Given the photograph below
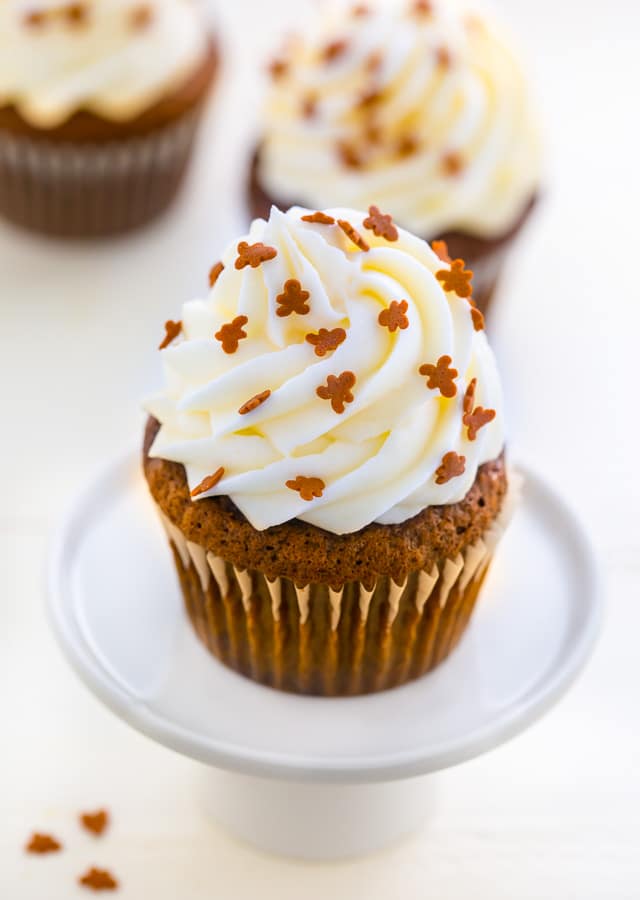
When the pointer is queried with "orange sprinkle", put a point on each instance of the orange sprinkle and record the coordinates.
(172, 330)
(254, 402)
(208, 483)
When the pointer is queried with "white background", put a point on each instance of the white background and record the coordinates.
(554, 814)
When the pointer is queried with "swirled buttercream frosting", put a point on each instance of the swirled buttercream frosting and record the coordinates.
(337, 372)
(114, 58)
(420, 107)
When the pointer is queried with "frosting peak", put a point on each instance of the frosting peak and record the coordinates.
(111, 57)
(327, 382)
(421, 108)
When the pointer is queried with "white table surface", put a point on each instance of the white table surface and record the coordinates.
(553, 814)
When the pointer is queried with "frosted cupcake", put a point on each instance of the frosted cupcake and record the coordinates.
(327, 455)
(419, 108)
(99, 103)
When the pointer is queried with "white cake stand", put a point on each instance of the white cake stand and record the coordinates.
(312, 777)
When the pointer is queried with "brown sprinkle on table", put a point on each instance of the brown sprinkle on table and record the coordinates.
(141, 16)
(98, 880)
(334, 50)
(231, 334)
(452, 164)
(254, 254)
(457, 279)
(477, 318)
(441, 250)
(96, 822)
(394, 316)
(308, 488)
(208, 483)
(43, 843)
(293, 299)
(215, 272)
(452, 466)
(319, 218)
(325, 341)
(254, 403)
(441, 376)
(172, 330)
(338, 390)
(381, 224)
(353, 234)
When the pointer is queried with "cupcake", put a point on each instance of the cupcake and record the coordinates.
(99, 104)
(327, 456)
(419, 108)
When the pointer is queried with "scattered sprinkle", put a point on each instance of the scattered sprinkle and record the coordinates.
(35, 18)
(443, 57)
(338, 390)
(469, 396)
(452, 164)
(441, 250)
(231, 334)
(325, 341)
(141, 16)
(208, 483)
(360, 10)
(477, 318)
(95, 822)
(334, 50)
(349, 155)
(308, 488)
(422, 7)
(255, 402)
(278, 68)
(374, 61)
(353, 235)
(172, 330)
(293, 299)
(441, 376)
(319, 218)
(254, 254)
(457, 279)
(215, 272)
(474, 418)
(76, 14)
(310, 106)
(370, 97)
(394, 316)
(43, 843)
(407, 146)
(381, 224)
(452, 466)
(98, 880)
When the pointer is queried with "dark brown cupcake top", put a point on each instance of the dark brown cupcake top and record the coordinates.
(306, 554)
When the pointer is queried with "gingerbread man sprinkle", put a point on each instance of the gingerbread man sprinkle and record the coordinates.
(215, 272)
(98, 880)
(452, 466)
(293, 299)
(254, 403)
(457, 279)
(394, 316)
(477, 318)
(172, 330)
(381, 224)
(325, 341)
(474, 418)
(208, 483)
(42, 844)
(441, 250)
(231, 334)
(338, 390)
(96, 822)
(353, 235)
(441, 376)
(254, 254)
(308, 488)
(319, 218)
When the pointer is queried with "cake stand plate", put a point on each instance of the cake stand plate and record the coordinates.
(306, 776)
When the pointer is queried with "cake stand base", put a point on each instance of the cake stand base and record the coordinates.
(316, 821)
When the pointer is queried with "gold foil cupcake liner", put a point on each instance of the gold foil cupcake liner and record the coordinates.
(89, 190)
(313, 639)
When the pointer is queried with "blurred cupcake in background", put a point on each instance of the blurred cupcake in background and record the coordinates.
(417, 106)
(327, 456)
(99, 105)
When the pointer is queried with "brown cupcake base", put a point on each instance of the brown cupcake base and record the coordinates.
(486, 256)
(314, 640)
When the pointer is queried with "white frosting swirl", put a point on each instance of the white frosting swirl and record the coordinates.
(106, 63)
(379, 458)
(444, 81)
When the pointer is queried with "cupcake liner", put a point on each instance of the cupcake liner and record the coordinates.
(89, 190)
(314, 639)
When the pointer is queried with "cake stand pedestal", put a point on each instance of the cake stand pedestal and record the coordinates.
(309, 777)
